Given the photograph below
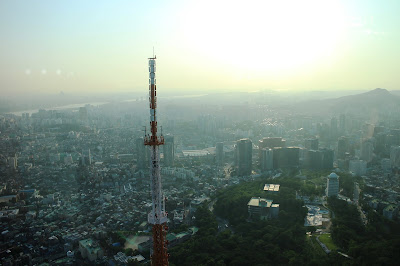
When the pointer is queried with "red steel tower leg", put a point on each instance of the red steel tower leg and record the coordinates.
(157, 217)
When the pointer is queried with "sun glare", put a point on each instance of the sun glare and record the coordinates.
(264, 35)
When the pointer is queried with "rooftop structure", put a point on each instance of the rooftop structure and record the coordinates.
(195, 153)
(262, 208)
(271, 187)
(90, 249)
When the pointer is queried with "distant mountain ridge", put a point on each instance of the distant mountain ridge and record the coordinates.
(377, 100)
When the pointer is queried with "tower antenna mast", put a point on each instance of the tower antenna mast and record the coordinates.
(157, 216)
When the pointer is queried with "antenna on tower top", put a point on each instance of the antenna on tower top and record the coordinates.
(153, 51)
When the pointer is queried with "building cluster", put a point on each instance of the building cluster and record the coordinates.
(68, 176)
(64, 188)
(261, 208)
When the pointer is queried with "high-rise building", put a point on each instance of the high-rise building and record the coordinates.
(342, 147)
(367, 149)
(334, 128)
(368, 130)
(313, 159)
(358, 167)
(378, 130)
(243, 156)
(13, 162)
(386, 165)
(332, 185)
(269, 143)
(141, 154)
(83, 114)
(286, 157)
(394, 137)
(380, 143)
(327, 158)
(318, 160)
(169, 150)
(267, 159)
(311, 144)
(86, 158)
(219, 153)
(395, 156)
(342, 124)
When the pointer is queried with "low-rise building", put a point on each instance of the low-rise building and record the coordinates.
(262, 208)
(272, 188)
(390, 211)
(90, 249)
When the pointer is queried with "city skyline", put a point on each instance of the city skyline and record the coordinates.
(101, 46)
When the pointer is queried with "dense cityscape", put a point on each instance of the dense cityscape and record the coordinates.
(75, 186)
(199, 133)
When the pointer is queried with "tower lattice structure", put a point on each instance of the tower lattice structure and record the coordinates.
(157, 216)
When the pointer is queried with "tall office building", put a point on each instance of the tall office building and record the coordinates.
(394, 137)
(169, 150)
(86, 158)
(286, 157)
(395, 156)
(141, 154)
(386, 165)
(358, 167)
(317, 160)
(269, 143)
(311, 144)
(243, 156)
(332, 185)
(380, 143)
(367, 150)
(334, 128)
(342, 124)
(83, 114)
(267, 159)
(219, 153)
(313, 159)
(378, 130)
(342, 147)
(368, 130)
(327, 158)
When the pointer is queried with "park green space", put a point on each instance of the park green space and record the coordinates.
(327, 240)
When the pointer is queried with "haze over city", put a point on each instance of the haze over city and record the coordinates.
(199, 133)
(102, 46)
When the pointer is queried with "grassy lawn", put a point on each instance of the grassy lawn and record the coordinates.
(327, 240)
(316, 247)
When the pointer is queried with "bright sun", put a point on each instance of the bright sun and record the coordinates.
(264, 35)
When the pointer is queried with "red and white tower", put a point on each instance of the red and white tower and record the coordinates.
(157, 217)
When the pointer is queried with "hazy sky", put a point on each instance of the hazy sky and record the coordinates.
(88, 46)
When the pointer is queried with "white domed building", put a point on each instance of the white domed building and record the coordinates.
(332, 185)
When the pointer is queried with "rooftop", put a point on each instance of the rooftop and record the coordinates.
(90, 245)
(271, 187)
(333, 175)
(195, 153)
(259, 202)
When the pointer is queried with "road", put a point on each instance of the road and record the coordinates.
(223, 224)
(356, 201)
